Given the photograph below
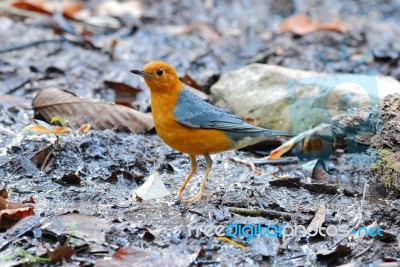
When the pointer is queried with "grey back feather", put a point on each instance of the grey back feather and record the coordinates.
(194, 112)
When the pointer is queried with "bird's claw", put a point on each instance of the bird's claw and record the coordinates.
(199, 196)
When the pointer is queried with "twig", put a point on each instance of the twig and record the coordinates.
(262, 213)
(331, 199)
(16, 88)
(31, 44)
(364, 250)
(360, 214)
(281, 161)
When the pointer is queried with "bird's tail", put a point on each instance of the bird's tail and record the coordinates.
(268, 132)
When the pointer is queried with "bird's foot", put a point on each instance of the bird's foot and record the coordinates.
(199, 196)
(248, 163)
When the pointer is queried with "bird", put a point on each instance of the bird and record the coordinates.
(191, 125)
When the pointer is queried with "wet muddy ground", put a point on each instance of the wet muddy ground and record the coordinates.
(84, 197)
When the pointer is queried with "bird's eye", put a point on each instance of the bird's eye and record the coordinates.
(159, 72)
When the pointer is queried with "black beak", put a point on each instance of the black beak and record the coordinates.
(142, 73)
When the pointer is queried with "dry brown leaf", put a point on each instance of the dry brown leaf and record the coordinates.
(69, 8)
(3, 203)
(85, 128)
(120, 254)
(122, 88)
(44, 130)
(4, 193)
(69, 179)
(14, 205)
(301, 24)
(318, 220)
(190, 81)
(61, 253)
(32, 5)
(101, 115)
(44, 157)
(8, 215)
(209, 33)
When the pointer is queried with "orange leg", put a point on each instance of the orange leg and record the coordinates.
(209, 164)
(193, 168)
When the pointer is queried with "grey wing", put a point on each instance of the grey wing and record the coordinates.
(194, 112)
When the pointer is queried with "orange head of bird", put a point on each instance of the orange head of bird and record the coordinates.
(160, 77)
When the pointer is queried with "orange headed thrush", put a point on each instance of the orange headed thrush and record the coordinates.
(193, 126)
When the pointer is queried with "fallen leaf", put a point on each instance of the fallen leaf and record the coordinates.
(316, 170)
(86, 227)
(49, 129)
(103, 22)
(152, 188)
(32, 5)
(14, 205)
(301, 24)
(339, 251)
(69, 179)
(122, 88)
(189, 81)
(69, 8)
(85, 128)
(120, 254)
(119, 9)
(101, 115)
(44, 157)
(172, 256)
(31, 200)
(18, 229)
(9, 216)
(318, 220)
(61, 253)
(3, 203)
(4, 193)
(209, 33)
(361, 233)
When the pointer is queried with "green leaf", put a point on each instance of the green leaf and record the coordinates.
(59, 119)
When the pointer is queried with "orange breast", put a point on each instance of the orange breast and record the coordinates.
(184, 139)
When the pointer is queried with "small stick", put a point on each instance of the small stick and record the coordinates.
(363, 251)
(275, 162)
(31, 44)
(262, 213)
